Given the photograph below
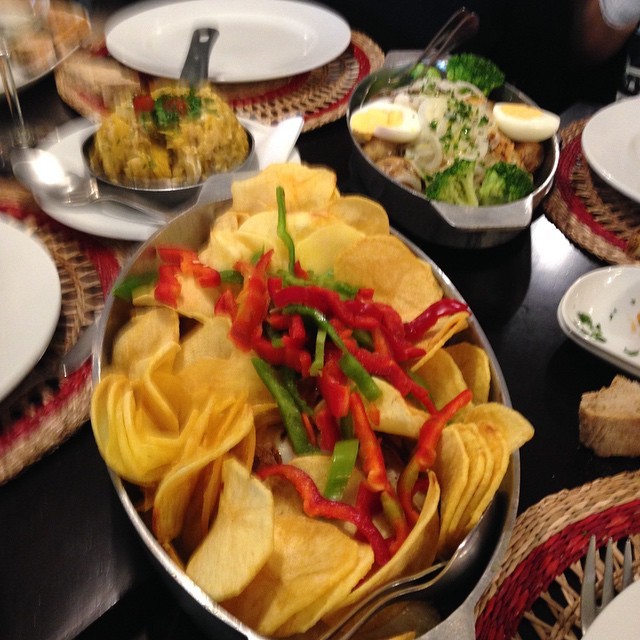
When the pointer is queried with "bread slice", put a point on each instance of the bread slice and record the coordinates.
(610, 419)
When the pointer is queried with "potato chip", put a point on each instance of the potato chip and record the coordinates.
(410, 286)
(397, 417)
(442, 377)
(362, 213)
(310, 560)
(443, 330)
(473, 362)
(146, 332)
(515, 428)
(306, 188)
(318, 251)
(210, 339)
(241, 539)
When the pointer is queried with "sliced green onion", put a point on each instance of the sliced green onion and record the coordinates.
(283, 234)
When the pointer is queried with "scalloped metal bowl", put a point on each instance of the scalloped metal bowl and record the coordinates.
(456, 610)
(442, 223)
(167, 192)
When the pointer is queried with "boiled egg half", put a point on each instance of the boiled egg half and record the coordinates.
(385, 120)
(525, 123)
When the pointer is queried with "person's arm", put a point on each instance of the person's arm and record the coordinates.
(602, 27)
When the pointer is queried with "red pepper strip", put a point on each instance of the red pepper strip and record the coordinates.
(296, 337)
(370, 453)
(226, 305)
(253, 303)
(316, 506)
(416, 328)
(394, 513)
(424, 454)
(189, 264)
(333, 385)
(167, 288)
(328, 427)
(297, 359)
(143, 104)
(308, 427)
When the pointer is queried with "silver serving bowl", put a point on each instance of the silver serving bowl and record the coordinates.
(165, 192)
(455, 611)
(440, 222)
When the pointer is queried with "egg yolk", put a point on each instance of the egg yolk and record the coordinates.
(522, 111)
(366, 121)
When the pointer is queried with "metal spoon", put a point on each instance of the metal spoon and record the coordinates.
(428, 584)
(196, 64)
(45, 176)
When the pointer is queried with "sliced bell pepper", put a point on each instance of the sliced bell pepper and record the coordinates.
(281, 229)
(316, 506)
(416, 328)
(328, 428)
(343, 460)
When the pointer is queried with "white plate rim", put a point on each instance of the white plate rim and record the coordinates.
(37, 316)
(566, 317)
(616, 125)
(616, 620)
(325, 35)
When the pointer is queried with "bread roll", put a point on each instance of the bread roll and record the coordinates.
(610, 419)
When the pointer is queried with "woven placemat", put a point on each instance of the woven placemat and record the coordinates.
(55, 409)
(536, 592)
(587, 210)
(89, 80)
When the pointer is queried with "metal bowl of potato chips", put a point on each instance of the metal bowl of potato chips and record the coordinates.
(129, 349)
(443, 223)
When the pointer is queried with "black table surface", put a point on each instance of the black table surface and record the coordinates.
(71, 565)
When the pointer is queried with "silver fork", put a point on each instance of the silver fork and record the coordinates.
(589, 609)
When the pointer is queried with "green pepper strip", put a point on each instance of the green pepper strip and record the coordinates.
(425, 452)
(316, 506)
(283, 234)
(125, 289)
(318, 361)
(348, 362)
(343, 460)
(286, 404)
(231, 276)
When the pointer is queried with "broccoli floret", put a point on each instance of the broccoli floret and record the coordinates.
(504, 182)
(454, 184)
(475, 69)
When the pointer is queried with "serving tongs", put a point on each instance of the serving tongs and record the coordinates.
(461, 26)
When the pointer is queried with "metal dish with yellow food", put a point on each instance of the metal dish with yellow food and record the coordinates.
(297, 407)
(458, 157)
(168, 142)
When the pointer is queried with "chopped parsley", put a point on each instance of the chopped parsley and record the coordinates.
(590, 328)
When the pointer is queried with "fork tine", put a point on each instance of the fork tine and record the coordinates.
(607, 585)
(588, 590)
(627, 567)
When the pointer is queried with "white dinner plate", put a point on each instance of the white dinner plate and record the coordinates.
(601, 312)
(620, 619)
(31, 298)
(259, 39)
(108, 219)
(611, 146)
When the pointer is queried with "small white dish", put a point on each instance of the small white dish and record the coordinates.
(111, 220)
(31, 301)
(620, 619)
(611, 146)
(259, 39)
(601, 312)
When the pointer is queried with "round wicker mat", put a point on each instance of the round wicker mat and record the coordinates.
(54, 409)
(536, 592)
(587, 210)
(88, 78)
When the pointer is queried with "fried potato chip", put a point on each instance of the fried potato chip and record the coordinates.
(452, 470)
(212, 431)
(306, 188)
(241, 539)
(210, 339)
(409, 286)
(318, 251)
(473, 362)
(442, 377)
(443, 330)
(310, 560)
(146, 332)
(362, 213)
(515, 428)
(396, 416)
(226, 247)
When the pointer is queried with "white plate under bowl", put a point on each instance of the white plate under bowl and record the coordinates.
(108, 219)
(611, 146)
(31, 299)
(601, 312)
(259, 39)
(620, 619)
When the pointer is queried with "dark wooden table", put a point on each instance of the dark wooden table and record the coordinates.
(71, 565)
